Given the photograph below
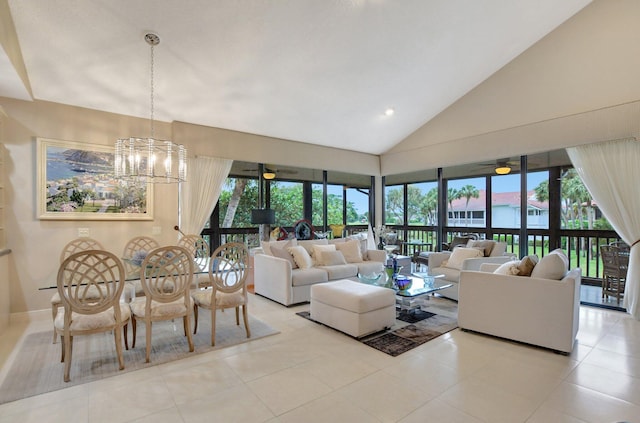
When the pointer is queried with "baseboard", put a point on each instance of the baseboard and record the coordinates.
(30, 316)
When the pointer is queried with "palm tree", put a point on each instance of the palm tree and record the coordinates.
(238, 189)
(468, 192)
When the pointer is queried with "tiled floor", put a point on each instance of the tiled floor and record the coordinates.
(309, 373)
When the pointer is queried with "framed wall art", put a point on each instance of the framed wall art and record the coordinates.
(76, 182)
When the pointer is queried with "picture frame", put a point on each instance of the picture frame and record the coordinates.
(76, 182)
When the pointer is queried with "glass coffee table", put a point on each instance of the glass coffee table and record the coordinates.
(423, 286)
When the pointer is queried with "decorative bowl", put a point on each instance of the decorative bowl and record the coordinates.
(372, 278)
(403, 282)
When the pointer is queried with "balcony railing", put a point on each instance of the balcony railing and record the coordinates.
(582, 246)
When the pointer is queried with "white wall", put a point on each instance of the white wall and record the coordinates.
(36, 244)
(577, 85)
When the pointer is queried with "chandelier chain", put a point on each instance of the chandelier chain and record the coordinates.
(152, 92)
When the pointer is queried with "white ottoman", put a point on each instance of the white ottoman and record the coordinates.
(355, 308)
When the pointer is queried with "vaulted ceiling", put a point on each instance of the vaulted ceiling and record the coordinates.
(319, 72)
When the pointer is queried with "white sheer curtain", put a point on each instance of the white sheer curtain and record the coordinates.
(611, 173)
(199, 195)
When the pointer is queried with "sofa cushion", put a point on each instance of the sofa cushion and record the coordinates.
(460, 254)
(527, 264)
(301, 257)
(341, 271)
(486, 245)
(363, 242)
(283, 253)
(509, 268)
(552, 266)
(266, 245)
(369, 267)
(309, 243)
(452, 275)
(498, 249)
(330, 258)
(317, 249)
(302, 277)
(351, 251)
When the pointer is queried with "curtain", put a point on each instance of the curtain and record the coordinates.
(199, 195)
(611, 173)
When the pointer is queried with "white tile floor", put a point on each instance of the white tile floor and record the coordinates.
(309, 373)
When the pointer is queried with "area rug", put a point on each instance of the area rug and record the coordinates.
(37, 369)
(435, 317)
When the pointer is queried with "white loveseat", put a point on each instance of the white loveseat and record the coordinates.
(277, 278)
(451, 263)
(534, 310)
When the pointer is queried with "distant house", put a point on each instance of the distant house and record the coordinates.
(505, 211)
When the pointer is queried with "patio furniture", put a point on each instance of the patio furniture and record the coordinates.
(615, 263)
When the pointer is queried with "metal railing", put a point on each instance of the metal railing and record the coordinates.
(581, 246)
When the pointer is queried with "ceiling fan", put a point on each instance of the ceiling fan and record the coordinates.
(502, 166)
(270, 171)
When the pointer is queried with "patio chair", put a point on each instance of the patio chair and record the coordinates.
(615, 263)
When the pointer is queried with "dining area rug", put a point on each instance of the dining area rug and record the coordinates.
(37, 369)
(435, 317)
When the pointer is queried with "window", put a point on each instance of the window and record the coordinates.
(394, 207)
(357, 205)
(238, 197)
(422, 204)
(286, 200)
(466, 202)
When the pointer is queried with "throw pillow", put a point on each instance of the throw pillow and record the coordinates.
(486, 245)
(460, 254)
(351, 251)
(309, 243)
(509, 268)
(301, 257)
(552, 266)
(317, 249)
(527, 264)
(266, 245)
(284, 253)
(331, 258)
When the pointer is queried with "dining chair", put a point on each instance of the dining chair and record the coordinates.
(228, 269)
(199, 250)
(166, 274)
(74, 246)
(90, 284)
(136, 246)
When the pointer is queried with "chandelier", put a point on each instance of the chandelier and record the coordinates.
(148, 159)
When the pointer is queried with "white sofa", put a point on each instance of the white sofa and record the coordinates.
(533, 310)
(277, 279)
(438, 265)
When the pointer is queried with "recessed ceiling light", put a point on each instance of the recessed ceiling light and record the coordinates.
(389, 111)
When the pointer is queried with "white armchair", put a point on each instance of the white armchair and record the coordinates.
(439, 264)
(533, 310)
